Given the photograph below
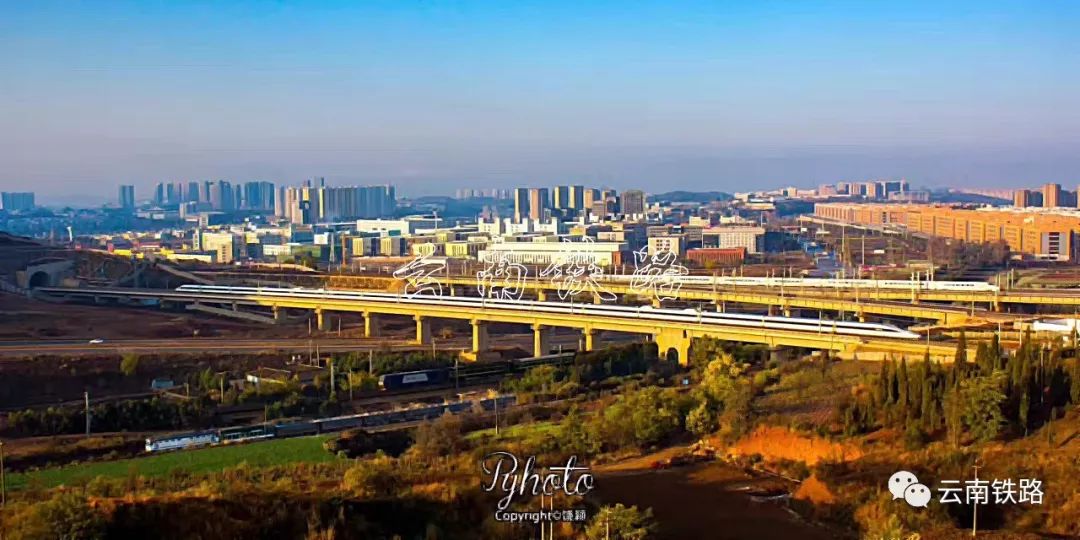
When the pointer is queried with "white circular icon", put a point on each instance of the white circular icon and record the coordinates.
(917, 495)
(899, 481)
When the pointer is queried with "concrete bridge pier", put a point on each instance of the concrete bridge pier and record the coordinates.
(541, 295)
(279, 314)
(589, 339)
(541, 340)
(371, 324)
(479, 337)
(656, 303)
(779, 354)
(322, 322)
(423, 330)
(673, 344)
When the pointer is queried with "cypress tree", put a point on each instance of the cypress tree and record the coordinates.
(915, 387)
(961, 349)
(995, 351)
(1025, 405)
(902, 387)
(960, 359)
(881, 393)
(982, 358)
(1074, 383)
(926, 407)
(891, 388)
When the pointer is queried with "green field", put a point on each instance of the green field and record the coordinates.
(260, 454)
(514, 432)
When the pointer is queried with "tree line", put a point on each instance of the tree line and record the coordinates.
(996, 394)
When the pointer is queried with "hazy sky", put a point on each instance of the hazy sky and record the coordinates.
(434, 95)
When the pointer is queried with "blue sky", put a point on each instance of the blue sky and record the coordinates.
(434, 95)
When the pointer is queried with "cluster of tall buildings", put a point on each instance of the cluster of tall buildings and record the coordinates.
(314, 202)
(221, 195)
(1049, 196)
(16, 201)
(492, 193)
(570, 202)
(874, 189)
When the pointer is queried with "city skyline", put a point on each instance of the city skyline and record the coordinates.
(429, 97)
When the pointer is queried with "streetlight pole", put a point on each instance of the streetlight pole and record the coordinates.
(975, 507)
(3, 480)
(86, 402)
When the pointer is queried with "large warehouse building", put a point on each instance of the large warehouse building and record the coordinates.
(1041, 233)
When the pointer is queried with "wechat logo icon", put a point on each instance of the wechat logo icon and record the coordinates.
(905, 485)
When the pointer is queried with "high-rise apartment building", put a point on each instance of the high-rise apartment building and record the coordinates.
(632, 202)
(127, 197)
(310, 205)
(590, 198)
(521, 204)
(569, 200)
(539, 203)
(1051, 195)
(562, 198)
(16, 201)
(222, 196)
(577, 197)
(1022, 198)
(258, 196)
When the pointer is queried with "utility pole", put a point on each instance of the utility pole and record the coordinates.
(3, 481)
(221, 383)
(86, 402)
(975, 507)
(332, 389)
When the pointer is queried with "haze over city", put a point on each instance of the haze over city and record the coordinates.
(695, 96)
(478, 270)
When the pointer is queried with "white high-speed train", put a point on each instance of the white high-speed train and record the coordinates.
(822, 283)
(763, 322)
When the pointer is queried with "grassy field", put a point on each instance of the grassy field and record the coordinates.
(517, 431)
(260, 454)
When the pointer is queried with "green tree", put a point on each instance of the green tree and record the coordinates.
(66, 516)
(540, 379)
(575, 437)
(953, 407)
(1074, 383)
(621, 523)
(982, 398)
(701, 421)
(718, 381)
(960, 359)
(441, 437)
(370, 478)
(983, 359)
(927, 405)
(129, 364)
(995, 351)
(902, 387)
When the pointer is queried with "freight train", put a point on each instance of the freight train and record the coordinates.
(276, 430)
